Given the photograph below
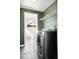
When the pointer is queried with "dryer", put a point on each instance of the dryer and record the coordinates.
(47, 45)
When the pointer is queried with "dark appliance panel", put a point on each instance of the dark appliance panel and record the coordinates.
(50, 45)
(47, 45)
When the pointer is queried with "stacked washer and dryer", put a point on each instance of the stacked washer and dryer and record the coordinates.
(47, 45)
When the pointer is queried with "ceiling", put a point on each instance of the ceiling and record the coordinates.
(38, 5)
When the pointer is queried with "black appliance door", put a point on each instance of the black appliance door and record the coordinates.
(51, 45)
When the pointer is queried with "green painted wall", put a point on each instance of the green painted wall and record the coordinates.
(40, 15)
(51, 8)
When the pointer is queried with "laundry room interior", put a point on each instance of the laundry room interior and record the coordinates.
(38, 29)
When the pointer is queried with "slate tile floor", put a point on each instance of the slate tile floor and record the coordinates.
(28, 52)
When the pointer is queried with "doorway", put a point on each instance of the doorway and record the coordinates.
(30, 33)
